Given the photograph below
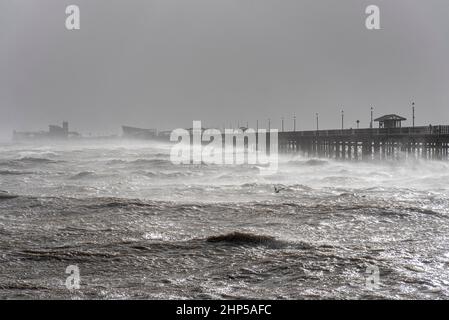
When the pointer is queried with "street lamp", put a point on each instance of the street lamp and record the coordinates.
(342, 118)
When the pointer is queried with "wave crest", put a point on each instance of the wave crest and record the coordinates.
(13, 173)
(7, 195)
(81, 175)
(241, 238)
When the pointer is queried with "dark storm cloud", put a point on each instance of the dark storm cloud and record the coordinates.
(165, 63)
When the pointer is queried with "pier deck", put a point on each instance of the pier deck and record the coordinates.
(430, 142)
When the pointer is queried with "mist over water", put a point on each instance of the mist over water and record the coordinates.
(139, 226)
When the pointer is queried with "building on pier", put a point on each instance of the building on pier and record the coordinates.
(390, 121)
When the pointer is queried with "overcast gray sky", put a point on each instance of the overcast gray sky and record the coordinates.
(164, 63)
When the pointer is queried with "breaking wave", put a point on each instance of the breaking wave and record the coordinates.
(36, 160)
(7, 195)
(311, 162)
(13, 173)
(241, 238)
(82, 175)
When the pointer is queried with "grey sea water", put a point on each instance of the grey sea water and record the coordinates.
(139, 227)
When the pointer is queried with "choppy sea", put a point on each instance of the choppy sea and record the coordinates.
(139, 227)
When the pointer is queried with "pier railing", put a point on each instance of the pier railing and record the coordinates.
(424, 130)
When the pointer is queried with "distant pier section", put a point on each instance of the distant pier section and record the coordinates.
(390, 141)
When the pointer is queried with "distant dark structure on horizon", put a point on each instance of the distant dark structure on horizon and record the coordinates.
(138, 133)
(54, 132)
(144, 134)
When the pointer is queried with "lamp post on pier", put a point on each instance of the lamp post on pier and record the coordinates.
(342, 119)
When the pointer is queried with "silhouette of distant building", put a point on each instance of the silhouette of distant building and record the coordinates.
(138, 133)
(58, 131)
(54, 132)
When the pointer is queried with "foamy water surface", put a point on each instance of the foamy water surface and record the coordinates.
(138, 226)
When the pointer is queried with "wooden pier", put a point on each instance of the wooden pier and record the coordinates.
(431, 142)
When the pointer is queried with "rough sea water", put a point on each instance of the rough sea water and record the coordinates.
(139, 227)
